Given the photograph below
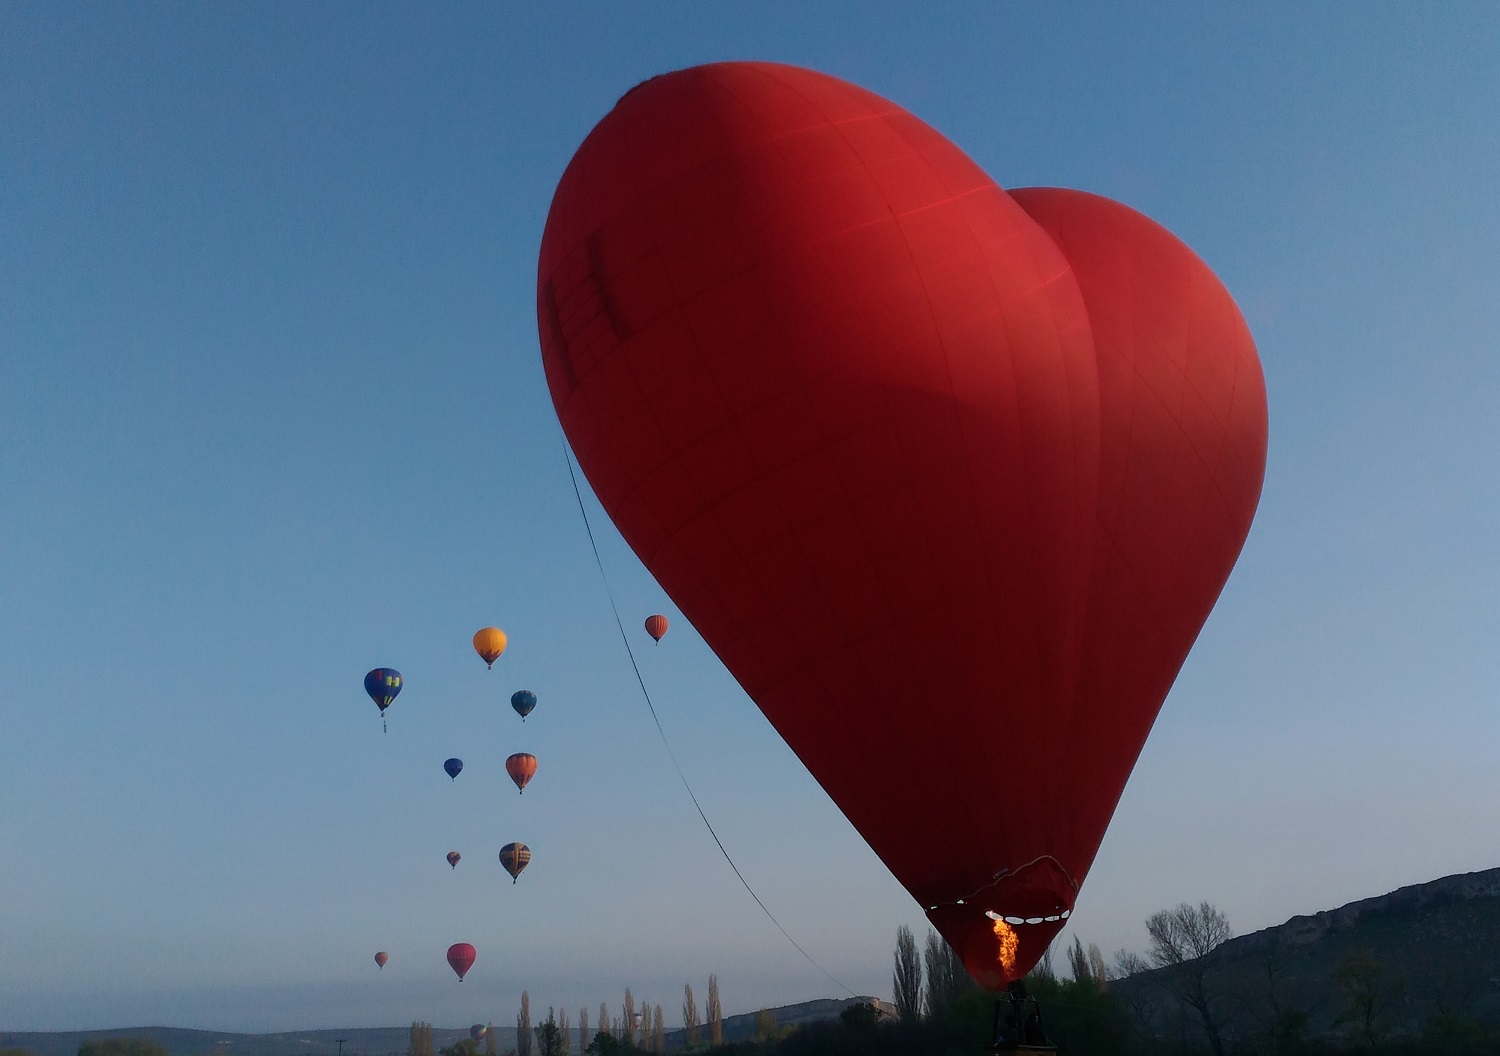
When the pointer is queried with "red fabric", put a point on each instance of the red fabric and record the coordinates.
(941, 473)
(461, 958)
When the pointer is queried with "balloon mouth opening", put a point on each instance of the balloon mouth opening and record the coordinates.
(1013, 920)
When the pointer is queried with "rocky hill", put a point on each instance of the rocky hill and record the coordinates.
(1409, 958)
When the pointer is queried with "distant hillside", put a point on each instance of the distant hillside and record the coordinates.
(1429, 949)
(361, 1041)
(374, 1041)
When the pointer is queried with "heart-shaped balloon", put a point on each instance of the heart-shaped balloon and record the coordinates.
(949, 478)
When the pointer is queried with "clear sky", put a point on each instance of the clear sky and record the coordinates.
(272, 413)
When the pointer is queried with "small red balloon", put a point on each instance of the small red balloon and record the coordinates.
(656, 626)
(461, 958)
(381, 958)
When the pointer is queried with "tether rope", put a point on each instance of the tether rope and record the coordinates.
(614, 608)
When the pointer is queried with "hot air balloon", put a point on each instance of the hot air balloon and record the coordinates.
(454, 767)
(523, 700)
(381, 958)
(656, 626)
(489, 642)
(454, 858)
(383, 684)
(522, 768)
(515, 857)
(461, 958)
(477, 1031)
(958, 469)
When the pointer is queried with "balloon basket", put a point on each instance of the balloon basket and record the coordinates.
(1018, 1025)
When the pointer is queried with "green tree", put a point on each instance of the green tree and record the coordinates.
(549, 1036)
(606, 1044)
(860, 1016)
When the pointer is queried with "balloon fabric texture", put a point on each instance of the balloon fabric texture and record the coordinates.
(947, 476)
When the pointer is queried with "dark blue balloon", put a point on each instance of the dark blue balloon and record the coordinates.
(383, 684)
(454, 767)
(523, 700)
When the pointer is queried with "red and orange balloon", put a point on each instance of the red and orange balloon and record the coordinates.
(522, 768)
(938, 470)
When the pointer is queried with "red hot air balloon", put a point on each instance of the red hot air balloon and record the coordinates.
(522, 768)
(656, 627)
(381, 958)
(461, 958)
(454, 858)
(959, 470)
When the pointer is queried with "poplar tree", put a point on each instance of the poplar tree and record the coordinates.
(658, 1033)
(645, 1024)
(523, 1026)
(489, 1039)
(583, 1028)
(565, 1038)
(906, 983)
(715, 1013)
(627, 1021)
(690, 1020)
(604, 1019)
(421, 1038)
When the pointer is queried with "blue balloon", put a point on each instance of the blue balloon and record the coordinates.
(523, 700)
(454, 767)
(383, 684)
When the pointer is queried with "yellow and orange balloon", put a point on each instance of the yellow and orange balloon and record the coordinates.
(489, 643)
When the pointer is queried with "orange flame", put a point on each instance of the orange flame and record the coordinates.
(1008, 943)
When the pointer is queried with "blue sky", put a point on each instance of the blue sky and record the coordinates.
(272, 414)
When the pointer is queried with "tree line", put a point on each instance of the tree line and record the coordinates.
(637, 1029)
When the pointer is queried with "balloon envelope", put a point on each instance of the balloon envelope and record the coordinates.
(454, 767)
(522, 768)
(656, 626)
(489, 643)
(461, 958)
(477, 1031)
(381, 958)
(454, 858)
(524, 701)
(383, 684)
(939, 472)
(515, 857)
